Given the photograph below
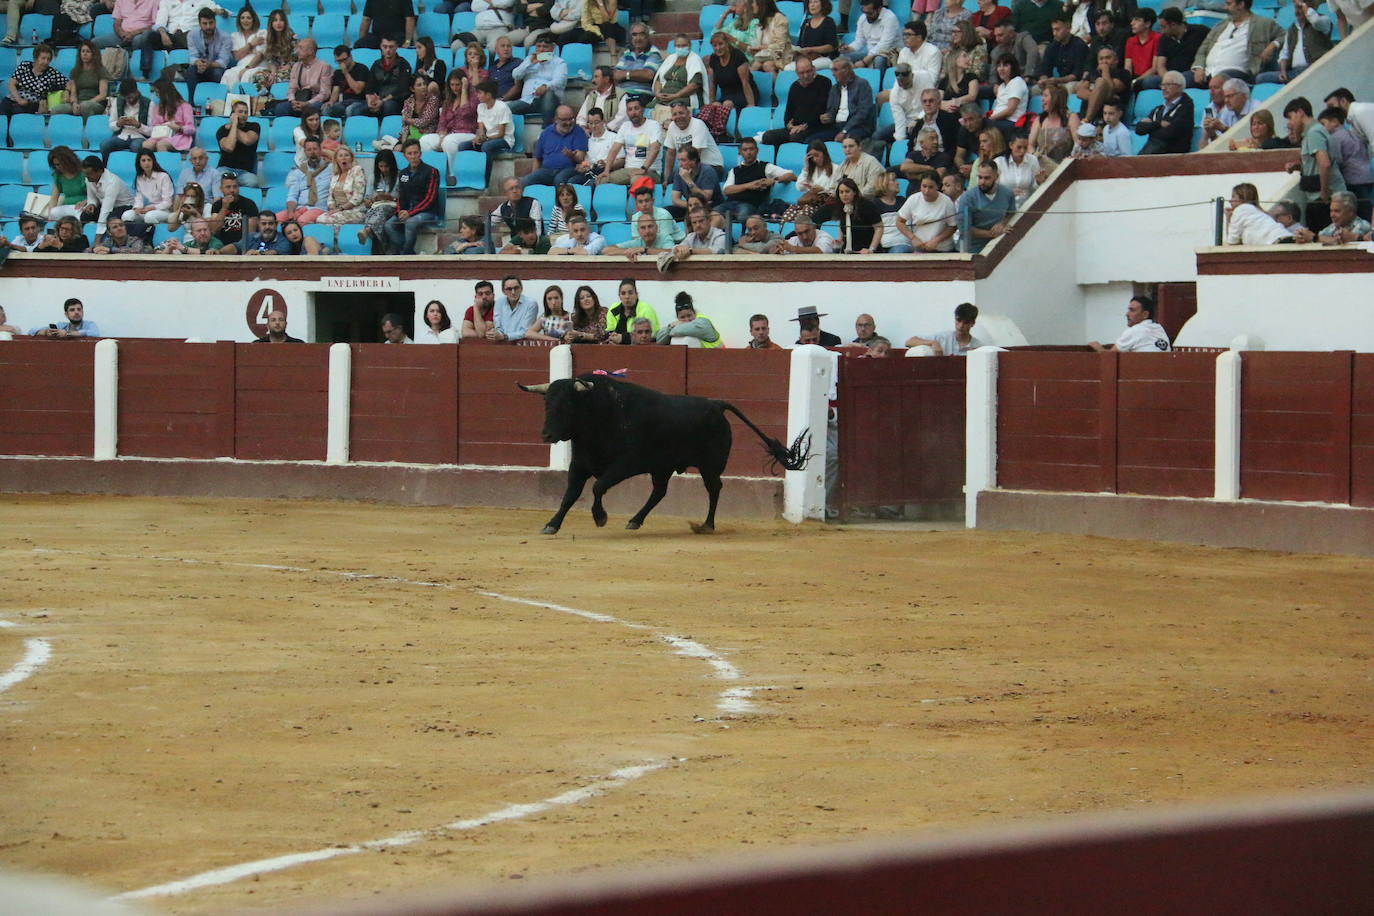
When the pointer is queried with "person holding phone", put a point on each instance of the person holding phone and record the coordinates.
(76, 324)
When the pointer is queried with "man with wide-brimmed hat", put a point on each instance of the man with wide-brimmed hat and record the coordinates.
(809, 319)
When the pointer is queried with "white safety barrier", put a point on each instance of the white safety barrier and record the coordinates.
(560, 367)
(340, 399)
(808, 408)
(106, 400)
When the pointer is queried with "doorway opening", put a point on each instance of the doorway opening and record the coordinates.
(357, 317)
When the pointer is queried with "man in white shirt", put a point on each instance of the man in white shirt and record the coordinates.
(1236, 104)
(495, 19)
(639, 141)
(579, 240)
(599, 145)
(904, 100)
(30, 234)
(394, 329)
(922, 56)
(749, 184)
(877, 37)
(1238, 46)
(1142, 335)
(685, 130)
(958, 341)
(807, 240)
(175, 21)
(106, 193)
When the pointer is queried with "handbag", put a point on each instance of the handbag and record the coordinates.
(38, 205)
(1312, 184)
(161, 132)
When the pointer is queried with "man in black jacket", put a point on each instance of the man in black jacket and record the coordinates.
(1178, 44)
(419, 200)
(1169, 126)
(806, 102)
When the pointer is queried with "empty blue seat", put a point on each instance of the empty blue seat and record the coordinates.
(754, 121)
(275, 167)
(208, 92)
(27, 131)
(464, 22)
(337, 7)
(439, 161)
(470, 170)
(435, 26)
(792, 157)
(1145, 102)
(367, 56)
(391, 127)
(347, 241)
(64, 60)
(100, 26)
(872, 76)
(796, 15)
(320, 232)
(331, 30)
(12, 197)
(578, 57)
(782, 85)
(610, 201)
(172, 163)
(544, 194)
(709, 16)
(274, 198)
(205, 132)
(34, 28)
(407, 55)
(300, 23)
(68, 130)
(518, 130)
(362, 129)
(123, 163)
(11, 167)
(763, 82)
(281, 135)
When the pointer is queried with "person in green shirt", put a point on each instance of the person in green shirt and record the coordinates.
(202, 242)
(1035, 18)
(1320, 176)
(526, 239)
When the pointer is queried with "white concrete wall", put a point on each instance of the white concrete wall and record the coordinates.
(1104, 310)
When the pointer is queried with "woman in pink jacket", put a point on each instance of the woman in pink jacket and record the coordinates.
(174, 113)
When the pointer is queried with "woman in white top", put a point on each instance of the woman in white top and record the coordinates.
(246, 44)
(1012, 95)
(1017, 170)
(1247, 224)
(927, 219)
(438, 328)
(153, 192)
(866, 171)
(553, 324)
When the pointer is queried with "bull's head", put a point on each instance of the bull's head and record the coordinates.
(560, 410)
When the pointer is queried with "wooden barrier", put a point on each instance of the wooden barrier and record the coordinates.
(281, 401)
(498, 424)
(660, 368)
(176, 400)
(1295, 426)
(1166, 426)
(405, 404)
(1052, 432)
(756, 382)
(46, 401)
(1362, 431)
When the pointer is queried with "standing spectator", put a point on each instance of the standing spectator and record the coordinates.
(757, 237)
(1116, 137)
(958, 341)
(683, 130)
(639, 63)
(1359, 116)
(1247, 224)
(380, 204)
(693, 181)
(276, 329)
(68, 192)
(388, 82)
(420, 113)
(731, 83)
(818, 40)
(88, 89)
(267, 240)
(850, 107)
(198, 170)
(561, 147)
(1237, 47)
(985, 212)
(927, 219)
(638, 141)
(76, 324)
(758, 334)
(382, 19)
(682, 75)
(246, 46)
(129, 116)
(31, 83)
(1143, 334)
(878, 36)
(1108, 82)
(496, 20)
(687, 323)
(418, 202)
(307, 186)
(1170, 125)
(30, 234)
(749, 184)
(1320, 177)
(517, 206)
(1308, 38)
(117, 240)
(153, 192)
(238, 147)
(1350, 154)
(173, 26)
(176, 118)
(809, 320)
(106, 193)
(923, 57)
(309, 84)
(602, 96)
(438, 327)
(231, 216)
(212, 52)
(65, 238)
(804, 112)
(457, 117)
(861, 226)
(348, 85)
(543, 76)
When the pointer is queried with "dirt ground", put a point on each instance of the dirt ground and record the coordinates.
(197, 715)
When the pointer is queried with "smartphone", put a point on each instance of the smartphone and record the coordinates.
(53, 326)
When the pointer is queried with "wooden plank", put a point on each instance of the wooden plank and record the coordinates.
(1300, 428)
(1263, 484)
(1022, 475)
(1340, 428)
(1313, 458)
(16, 395)
(1164, 424)
(1024, 364)
(1173, 367)
(297, 356)
(1155, 481)
(57, 422)
(167, 401)
(294, 380)
(1050, 449)
(1106, 429)
(46, 443)
(1148, 394)
(1048, 422)
(264, 448)
(1038, 393)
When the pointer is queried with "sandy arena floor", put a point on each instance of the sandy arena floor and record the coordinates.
(770, 685)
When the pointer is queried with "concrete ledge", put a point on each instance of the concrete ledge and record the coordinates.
(1288, 527)
(405, 484)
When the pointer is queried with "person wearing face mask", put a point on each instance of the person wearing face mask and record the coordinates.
(681, 76)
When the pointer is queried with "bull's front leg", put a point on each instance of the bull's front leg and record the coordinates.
(577, 480)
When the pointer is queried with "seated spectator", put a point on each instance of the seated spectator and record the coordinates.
(603, 97)
(202, 242)
(308, 186)
(987, 210)
(382, 19)
(923, 57)
(420, 112)
(495, 128)
(773, 49)
(927, 219)
(310, 83)
(758, 334)
(494, 22)
(565, 207)
(730, 83)
(638, 141)
(638, 63)
(238, 151)
(865, 330)
(903, 101)
(380, 203)
(276, 329)
(1238, 46)
(471, 237)
(1107, 82)
(153, 194)
(552, 325)
(942, 20)
(878, 34)
(739, 26)
(129, 116)
(642, 333)
(1116, 137)
(30, 235)
(1307, 38)
(212, 52)
(1107, 33)
(175, 23)
(188, 205)
(1170, 124)
(1262, 134)
(388, 83)
(964, 78)
(861, 226)
(809, 323)
(1141, 48)
(952, 186)
(878, 347)
(1236, 104)
(346, 201)
(298, 242)
(1054, 100)
(68, 192)
(933, 115)
(106, 193)
(1350, 154)
(347, 85)
(268, 239)
(232, 216)
(419, 201)
(580, 239)
(1346, 226)
(683, 130)
(479, 316)
(457, 125)
(32, 82)
(1018, 170)
(588, 323)
(757, 238)
(860, 166)
(198, 171)
(518, 206)
(600, 142)
(958, 341)
(620, 319)
(1086, 145)
(971, 127)
(526, 239)
(688, 323)
(6, 327)
(543, 77)
(853, 98)
(694, 181)
(561, 147)
(887, 202)
(749, 184)
(1289, 215)
(803, 115)
(682, 75)
(514, 312)
(438, 328)
(1011, 43)
(703, 239)
(117, 240)
(1065, 59)
(925, 158)
(394, 329)
(1178, 45)
(133, 19)
(246, 44)
(75, 326)
(1247, 224)
(807, 239)
(88, 89)
(172, 120)
(1143, 334)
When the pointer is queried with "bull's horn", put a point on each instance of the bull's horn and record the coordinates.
(582, 386)
(534, 389)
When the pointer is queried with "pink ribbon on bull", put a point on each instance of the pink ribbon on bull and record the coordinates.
(614, 373)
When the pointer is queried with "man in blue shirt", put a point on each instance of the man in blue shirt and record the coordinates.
(559, 149)
(211, 53)
(514, 313)
(985, 211)
(307, 185)
(639, 62)
(543, 77)
(268, 240)
(74, 326)
(419, 201)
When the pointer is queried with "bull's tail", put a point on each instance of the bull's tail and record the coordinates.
(794, 458)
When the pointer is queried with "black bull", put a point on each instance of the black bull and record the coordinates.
(619, 430)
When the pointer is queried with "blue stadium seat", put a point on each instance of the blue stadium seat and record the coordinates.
(836, 150)
(11, 167)
(518, 129)
(782, 85)
(872, 76)
(464, 22)
(366, 56)
(706, 21)
(281, 135)
(331, 30)
(64, 60)
(208, 92)
(26, 131)
(337, 7)
(439, 161)
(578, 57)
(407, 55)
(205, 131)
(544, 194)
(729, 154)
(796, 15)
(754, 121)
(275, 167)
(9, 59)
(68, 130)
(300, 23)
(88, 230)
(1138, 142)
(172, 163)
(348, 240)
(610, 201)
(1201, 99)
(320, 232)
(470, 169)
(123, 162)
(12, 198)
(768, 153)
(391, 127)
(616, 231)
(1262, 91)
(279, 90)
(362, 129)
(763, 82)
(791, 156)
(100, 26)
(274, 198)
(787, 193)
(32, 26)
(436, 26)
(1145, 102)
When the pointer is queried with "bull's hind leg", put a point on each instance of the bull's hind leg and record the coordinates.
(712, 481)
(603, 483)
(577, 480)
(661, 479)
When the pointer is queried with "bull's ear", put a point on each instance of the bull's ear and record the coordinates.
(534, 389)
(580, 385)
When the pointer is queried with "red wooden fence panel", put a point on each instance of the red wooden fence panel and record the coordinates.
(1362, 431)
(498, 424)
(756, 382)
(660, 368)
(1049, 421)
(176, 400)
(1295, 426)
(281, 401)
(1166, 432)
(47, 401)
(403, 404)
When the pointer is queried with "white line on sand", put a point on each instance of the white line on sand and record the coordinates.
(36, 654)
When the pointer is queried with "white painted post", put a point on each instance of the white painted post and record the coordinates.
(340, 399)
(6, 335)
(1227, 454)
(106, 400)
(808, 407)
(980, 429)
(560, 367)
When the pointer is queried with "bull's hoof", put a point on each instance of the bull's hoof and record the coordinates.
(702, 529)
(550, 529)
(632, 525)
